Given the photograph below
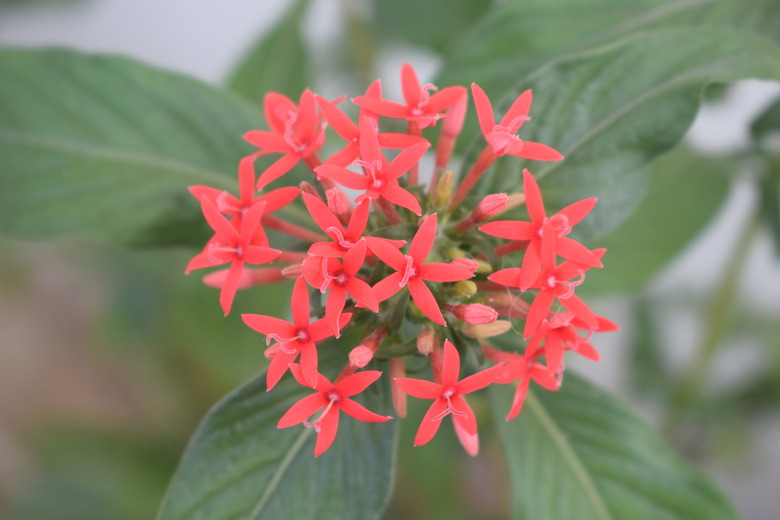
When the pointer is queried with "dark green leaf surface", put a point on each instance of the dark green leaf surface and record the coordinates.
(579, 454)
(613, 110)
(279, 61)
(105, 147)
(685, 192)
(238, 465)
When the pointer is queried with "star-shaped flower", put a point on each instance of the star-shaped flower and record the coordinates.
(534, 232)
(421, 108)
(381, 178)
(412, 271)
(448, 399)
(238, 246)
(298, 337)
(296, 131)
(525, 368)
(331, 399)
(502, 138)
(340, 278)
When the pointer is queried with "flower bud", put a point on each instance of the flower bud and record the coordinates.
(338, 202)
(487, 330)
(293, 271)
(464, 289)
(308, 188)
(470, 264)
(443, 191)
(360, 356)
(398, 396)
(484, 267)
(475, 313)
(507, 304)
(425, 341)
(490, 206)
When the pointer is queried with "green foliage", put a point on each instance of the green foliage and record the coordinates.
(239, 465)
(580, 454)
(278, 62)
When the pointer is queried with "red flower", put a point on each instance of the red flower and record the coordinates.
(560, 225)
(525, 368)
(238, 246)
(556, 282)
(421, 108)
(411, 271)
(559, 333)
(296, 131)
(298, 337)
(502, 138)
(331, 399)
(448, 399)
(350, 132)
(381, 179)
(344, 239)
(340, 278)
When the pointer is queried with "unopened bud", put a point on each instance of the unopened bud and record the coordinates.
(293, 271)
(484, 267)
(443, 191)
(475, 313)
(271, 351)
(464, 289)
(468, 263)
(338, 202)
(455, 252)
(426, 339)
(488, 330)
(360, 356)
(308, 188)
(490, 206)
(398, 369)
(515, 200)
(507, 304)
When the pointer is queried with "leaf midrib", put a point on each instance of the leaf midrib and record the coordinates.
(570, 457)
(61, 145)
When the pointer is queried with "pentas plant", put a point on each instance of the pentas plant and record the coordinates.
(411, 267)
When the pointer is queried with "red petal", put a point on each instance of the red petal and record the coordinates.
(382, 107)
(423, 239)
(345, 156)
(277, 109)
(410, 85)
(355, 383)
(533, 198)
(269, 142)
(539, 310)
(441, 272)
(323, 384)
(430, 425)
(406, 159)
(299, 303)
(484, 109)
(279, 365)
(467, 422)
(545, 379)
(202, 260)
(302, 410)
(213, 195)
(510, 229)
(573, 250)
(385, 289)
(320, 212)
(338, 120)
(282, 165)
(230, 286)
(217, 221)
(354, 258)
(519, 399)
(246, 179)
(419, 388)
(279, 198)
(362, 293)
(424, 299)
(509, 277)
(575, 304)
(470, 441)
(519, 108)
(444, 99)
(307, 120)
(396, 141)
(400, 197)
(359, 412)
(358, 221)
(329, 425)
(337, 298)
(308, 363)
(343, 176)
(450, 365)
(577, 211)
(479, 380)
(369, 145)
(388, 254)
(531, 267)
(538, 152)
(374, 91)
(269, 325)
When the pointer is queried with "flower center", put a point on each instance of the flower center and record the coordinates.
(337, 234)
(410, 272)
(340, 279)
(334, 398)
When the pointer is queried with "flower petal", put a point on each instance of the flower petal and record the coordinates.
(450, 369)
(343, 176)
(423, 239)
(510, 229)
(361, 413)
(407, 158)
(282, 165)
(469, 421)
(419, 388)
(509, 277)
(519, 109)
(573, 250)
(362, 293)
(358, 221)
(410, 85)
(538, 152)
(430, 425)
(230, 286)
(302, 410)
(385, 289)
(299, 303)
(445, 272)
(400, 197)
(539, 310)
(337, 298)
(269, 325)
(425, 300)
(533, 199)
(479, 380)
(338, 120)
(577, 211)
(484, 109)
(329, 425)
(278, 366)
(388, 254)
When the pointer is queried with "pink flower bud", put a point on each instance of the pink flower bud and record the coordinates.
(308, 188)
(487, 330)
(360, 356)
(398, 369)
(472, 265)
(425, 341)
(338, 202)
(293, 271)
(475, 314)
(490, 206)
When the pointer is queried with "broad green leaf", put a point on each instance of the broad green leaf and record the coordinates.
(518, 36)
(580, 454)
(685, 192)
(613, 110)
(765, 129)
(238, 465)
(433, 23)
(279, 61)
(105, 147)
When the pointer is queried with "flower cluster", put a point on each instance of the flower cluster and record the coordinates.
(410, 265)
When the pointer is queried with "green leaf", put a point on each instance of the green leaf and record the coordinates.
(518, 36)
(238, 465)
(279, 61)
(611, 117)
(580, 454)
(105, 147)
(764, 130)
(686, 190)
